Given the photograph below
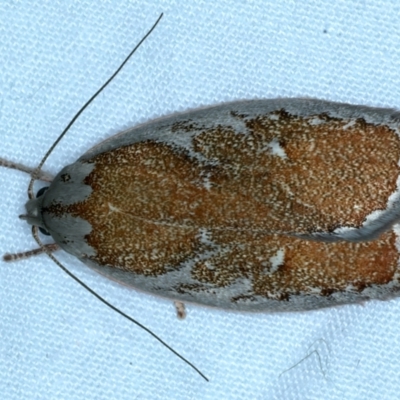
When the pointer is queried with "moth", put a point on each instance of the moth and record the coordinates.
(259, 205)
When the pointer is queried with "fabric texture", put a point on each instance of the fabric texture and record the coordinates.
(56, 340)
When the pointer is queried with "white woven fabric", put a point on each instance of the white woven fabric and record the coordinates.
(56, 340)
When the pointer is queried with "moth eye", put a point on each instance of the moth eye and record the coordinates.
(42, 230)
(41, 191)
(38, 194)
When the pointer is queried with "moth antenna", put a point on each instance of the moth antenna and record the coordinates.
(109, 305)
(83, 108)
